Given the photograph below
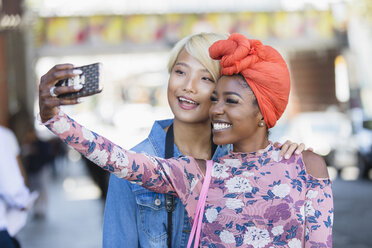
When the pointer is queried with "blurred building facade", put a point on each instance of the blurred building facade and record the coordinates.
(15, 100)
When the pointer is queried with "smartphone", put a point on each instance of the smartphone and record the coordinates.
(91, 79)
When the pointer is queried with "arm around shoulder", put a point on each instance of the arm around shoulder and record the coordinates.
(315, 165)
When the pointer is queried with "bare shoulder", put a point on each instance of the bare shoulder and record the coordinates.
(315, 165)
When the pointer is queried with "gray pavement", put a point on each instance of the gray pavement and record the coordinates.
(353, 214)
(72, 220)
(77, 223)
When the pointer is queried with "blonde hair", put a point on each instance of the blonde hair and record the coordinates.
(197, 45)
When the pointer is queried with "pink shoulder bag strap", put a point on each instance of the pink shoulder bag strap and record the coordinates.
(196, 227)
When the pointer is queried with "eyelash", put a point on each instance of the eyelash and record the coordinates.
(208, 79)
(228, 100)
(179, 72)
(213, 99)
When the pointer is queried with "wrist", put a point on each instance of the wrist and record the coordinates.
(45, 117)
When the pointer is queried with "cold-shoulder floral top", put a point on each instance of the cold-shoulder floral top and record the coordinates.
(254, 200)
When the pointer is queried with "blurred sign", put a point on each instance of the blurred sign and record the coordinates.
(166, 29)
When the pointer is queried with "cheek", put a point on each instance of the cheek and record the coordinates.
(171, 92)
(205, 92)
(174, 84)
(171, 84)
(243, 120)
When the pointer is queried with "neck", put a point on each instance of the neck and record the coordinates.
(193, 139)
(258, 142)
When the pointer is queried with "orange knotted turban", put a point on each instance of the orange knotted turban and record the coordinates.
(263, 68)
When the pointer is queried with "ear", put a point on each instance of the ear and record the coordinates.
(259, 116)
(260, 120)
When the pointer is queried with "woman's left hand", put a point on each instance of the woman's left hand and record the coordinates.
(288, 148)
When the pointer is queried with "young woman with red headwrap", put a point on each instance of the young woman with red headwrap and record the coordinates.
(255, 199)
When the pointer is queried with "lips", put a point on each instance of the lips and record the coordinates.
(219, 126)
(187, 103)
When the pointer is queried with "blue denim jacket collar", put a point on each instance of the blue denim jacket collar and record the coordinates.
(157, 138)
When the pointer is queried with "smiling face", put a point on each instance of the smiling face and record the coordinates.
(189, 88)
(236, 116)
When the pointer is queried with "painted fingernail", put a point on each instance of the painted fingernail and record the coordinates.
(286, 156)
(78, 86)
(297, 152)
(280, 158)
(77, 71)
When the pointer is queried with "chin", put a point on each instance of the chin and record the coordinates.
(221, 141)
(191, 118)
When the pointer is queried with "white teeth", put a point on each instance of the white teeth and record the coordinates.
(220, 126)
(187, 100)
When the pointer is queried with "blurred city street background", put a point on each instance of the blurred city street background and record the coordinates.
(327, 44)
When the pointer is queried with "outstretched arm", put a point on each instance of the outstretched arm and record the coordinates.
(142, 169)
(157, 174)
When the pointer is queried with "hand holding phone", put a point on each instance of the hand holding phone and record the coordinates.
(91, 79)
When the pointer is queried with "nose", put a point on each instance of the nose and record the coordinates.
(191, 84)
(216, 109)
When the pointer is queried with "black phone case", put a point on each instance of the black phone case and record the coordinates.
(90, 78)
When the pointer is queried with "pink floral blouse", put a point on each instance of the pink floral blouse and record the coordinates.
(254, 200)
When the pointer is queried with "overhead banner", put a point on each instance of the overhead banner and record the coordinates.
(169, 28)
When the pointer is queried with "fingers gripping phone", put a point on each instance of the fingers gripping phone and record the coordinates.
(91, 79)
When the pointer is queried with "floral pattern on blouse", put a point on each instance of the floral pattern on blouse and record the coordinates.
(254, 200)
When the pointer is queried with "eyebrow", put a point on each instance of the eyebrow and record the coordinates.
(228, 93)
(232, 93)
(181, 63)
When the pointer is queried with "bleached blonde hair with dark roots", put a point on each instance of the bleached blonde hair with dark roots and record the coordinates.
(197, 46)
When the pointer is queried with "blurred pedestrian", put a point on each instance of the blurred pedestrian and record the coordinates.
(13, 192)
(58, 152)
(37, 155)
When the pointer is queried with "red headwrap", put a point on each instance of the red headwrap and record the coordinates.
(263, 68)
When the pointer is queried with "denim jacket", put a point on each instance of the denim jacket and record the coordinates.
(134, 216)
